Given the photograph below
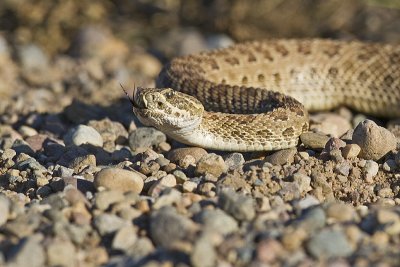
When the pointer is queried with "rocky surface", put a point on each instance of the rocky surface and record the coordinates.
(82, 183)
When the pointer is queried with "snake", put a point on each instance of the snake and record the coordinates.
(257, 95)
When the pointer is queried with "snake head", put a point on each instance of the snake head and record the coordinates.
(167, 109)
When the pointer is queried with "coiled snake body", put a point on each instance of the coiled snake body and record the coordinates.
(255, 96)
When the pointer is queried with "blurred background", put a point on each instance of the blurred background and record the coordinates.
(53, 52)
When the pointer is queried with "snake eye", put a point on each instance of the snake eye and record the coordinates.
(169, 94)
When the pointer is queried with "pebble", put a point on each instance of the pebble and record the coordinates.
(83, 134)
(374, 141)
(168, 227)
(217, 220)
(119, 179)
(303, 181)
(234, 161)
(61, 253)
(329, 244)
(104, 199)
(33, 58)
(109, 223)
(281, 157)
(211, 164)
(167, 181)
(341, 212)
(314, 140)
(36, 141)
(330, 124)
(203, 254)
(112, 132)
(28, 252)
(289, 191)
(343, 168)
(312, 219)
(189, 186)
(124, 238)
(175, 155)
(239, 206)
(389, 165)
(4, 209)
(146, 137)
(370, 169)
(351, 151)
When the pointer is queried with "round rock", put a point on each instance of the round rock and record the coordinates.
(83, 134)
(119, 179)
(146, 137)
(314, 140)
(281, 157)
(328, 244)
(211, 164)
(178, 154)
(374, 141)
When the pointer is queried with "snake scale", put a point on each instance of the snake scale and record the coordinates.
(256, 96)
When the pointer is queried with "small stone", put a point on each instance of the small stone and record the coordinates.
(124, 238)
(307, 202)
(180, 176)
(281, 157)
(330, 124)
(104, 199)
(268, 251)
(83, 134)
(36, 141)
(314, 140)
(4, 209)
(217, 220)
(312, 219)
(386, 192)
(28, 252)
(61, 253)
(341, 212)
(189, 186)
(374, 141)
(112, 132)
(177, 154)
(119, 179)
(385, 216)
(343, 168)
(289, 191)
(168, 227)
(212, 164)
(351, 151)
(239, 206)
(169, 197)
(234, 161)
(146, 137)
(207, 189)
(329, 244)
(303, 181)
(390, 165)
(370, 169)
(167, 181)
(109, 223)
(304, 155)
(81, 162)
(187, 161)
(203, 254)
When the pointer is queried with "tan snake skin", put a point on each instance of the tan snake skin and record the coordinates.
(238, 87)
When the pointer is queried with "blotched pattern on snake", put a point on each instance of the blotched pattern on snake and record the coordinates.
(255, 96)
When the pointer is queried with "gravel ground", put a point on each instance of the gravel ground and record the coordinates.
(82, 183)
